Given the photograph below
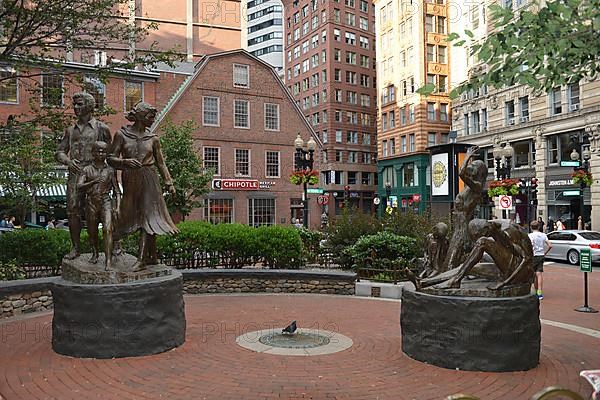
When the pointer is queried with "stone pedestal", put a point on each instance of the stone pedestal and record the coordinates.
(471, 333)
(142, 316)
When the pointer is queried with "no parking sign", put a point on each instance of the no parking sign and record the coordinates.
(505, 202)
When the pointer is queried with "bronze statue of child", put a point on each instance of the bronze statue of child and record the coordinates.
(98, 180)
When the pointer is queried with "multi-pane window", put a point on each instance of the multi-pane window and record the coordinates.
(211, 159)
(336, 34)
(475, 121)
(351, 57)
(429, 23)
(366, 138)
(441, 55)
(410, 175)
(352, 137)
(272, 164)
(242, 162)
(411, 142)
(392, 146)
(210, 111)
(241, 75)
(444, 112)
(441, 24)
(52, 90)
(364, 6)
(431, 139)
(523, 156)
(351, 77)
(430, 53)
(351, 97)
(271, 117)
(134, 93)
(350, 38)
(509, 108)
(364, 42)
(364, 23)
(240, 114)
(365, 100)
(8, 86)
(431, 111)
(338, 136)
(392, 119)
(338, 156)
(411, 113)
(384, 148)
(350, 19)
(96, 88)
(442, 83)
(555, 101)
(352, 157)
(403, 143)
(524, 108)
(573, 93)
(218, 211)
(261, 212)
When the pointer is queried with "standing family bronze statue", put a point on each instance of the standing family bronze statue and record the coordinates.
(93, 159)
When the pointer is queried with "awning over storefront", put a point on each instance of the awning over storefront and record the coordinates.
(56, 192)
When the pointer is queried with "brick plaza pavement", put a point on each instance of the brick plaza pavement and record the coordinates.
(211, 366)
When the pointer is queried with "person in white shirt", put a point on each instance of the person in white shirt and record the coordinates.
(541, 246)
(560, 226)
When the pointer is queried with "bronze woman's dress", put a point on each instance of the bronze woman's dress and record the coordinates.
(143, 205)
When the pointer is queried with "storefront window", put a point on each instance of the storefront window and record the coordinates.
(389, 175)
(409, 175)
(261, 212)
(219, 211)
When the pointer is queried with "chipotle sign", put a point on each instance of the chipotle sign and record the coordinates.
(235, 184)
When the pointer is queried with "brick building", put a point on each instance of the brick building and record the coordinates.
(329, 69)
(411, 52)
(248, 122)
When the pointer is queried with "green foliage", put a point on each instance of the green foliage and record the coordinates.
(345, 230)
(542, 48)
(412, 225)
(27, 167)
(279, 246)
(189, 177)
(311, 244)
(35, 246)
(41, 35)
(384, 250)
(9, 271)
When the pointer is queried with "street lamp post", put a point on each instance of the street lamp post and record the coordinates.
(304, 161)
(388, 194)
(503, 168)
(585, 167)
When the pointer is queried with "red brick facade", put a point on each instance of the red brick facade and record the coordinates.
(209, 99)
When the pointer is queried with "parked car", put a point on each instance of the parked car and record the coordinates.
(567, 244)
(4, 230)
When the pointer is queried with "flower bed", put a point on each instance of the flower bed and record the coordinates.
(503, 187)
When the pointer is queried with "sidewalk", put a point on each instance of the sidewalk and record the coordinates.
(210, 365)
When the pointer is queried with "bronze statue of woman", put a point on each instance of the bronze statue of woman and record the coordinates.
(135, 150)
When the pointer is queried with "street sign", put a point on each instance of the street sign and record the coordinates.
(314, 191)
(505, 202)
(376, 201)
(585, 260)
(322, 200)
(569, 163)
(571, 193)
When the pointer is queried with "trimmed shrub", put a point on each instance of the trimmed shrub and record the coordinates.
(35, 246)
(279, 246)
(413, 225)
(9, 271)
(344, 232)
(383, 250)
(311, 244)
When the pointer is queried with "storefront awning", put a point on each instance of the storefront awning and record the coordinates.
(57, 192)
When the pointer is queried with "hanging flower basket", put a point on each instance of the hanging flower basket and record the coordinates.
(503, 187)
(304, 176)
(581, 176)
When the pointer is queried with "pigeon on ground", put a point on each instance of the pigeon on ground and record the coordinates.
(291, 328)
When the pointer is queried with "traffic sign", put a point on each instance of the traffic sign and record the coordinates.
(505, 202)
(416, 197)
(314, 191)
(585, 260)
(376, 201)
(322, 200)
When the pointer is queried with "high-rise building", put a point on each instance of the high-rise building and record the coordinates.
(265, 31)
(411, 52)
(329, 68)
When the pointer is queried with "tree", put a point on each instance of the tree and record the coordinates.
(189, 176)
(45, 33)
(542, 48)
(27, 167)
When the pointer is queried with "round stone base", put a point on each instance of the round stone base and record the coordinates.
(471, 333)
(118, 320)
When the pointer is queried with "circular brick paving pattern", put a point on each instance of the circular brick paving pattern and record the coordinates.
(210, 365)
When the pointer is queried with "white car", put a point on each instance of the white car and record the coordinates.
(566, 245)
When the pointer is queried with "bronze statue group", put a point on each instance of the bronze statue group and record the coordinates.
(92, 158)
(447, 262)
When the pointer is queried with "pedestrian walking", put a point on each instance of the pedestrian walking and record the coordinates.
(560, 226)
(51, 224)
(541, 224)
(541, 246)
(580, 223)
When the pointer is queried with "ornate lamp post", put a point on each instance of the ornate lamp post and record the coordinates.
(304, 161)
(388, 193)
(585, 168)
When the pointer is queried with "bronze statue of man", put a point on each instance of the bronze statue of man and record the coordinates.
(75, 151)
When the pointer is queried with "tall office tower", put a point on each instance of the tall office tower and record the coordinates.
(265, 31)
(329, 68)
(411, 51)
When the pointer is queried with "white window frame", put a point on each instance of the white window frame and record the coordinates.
(278, 117)
(218, 171)
(218, 111)
(247, 68)
(235, 161)
(125, 92)
(62, 95)
(11, 71)
(248, 114)
(278, 164)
